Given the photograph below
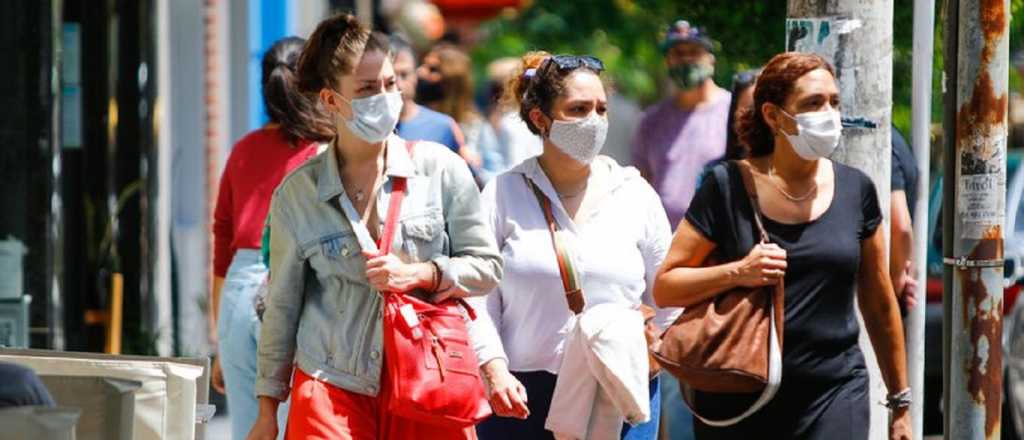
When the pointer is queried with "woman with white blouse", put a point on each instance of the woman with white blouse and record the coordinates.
(609, 219)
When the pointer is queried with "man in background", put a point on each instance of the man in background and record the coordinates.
(675, 139)
(902, 201)
(681, 134)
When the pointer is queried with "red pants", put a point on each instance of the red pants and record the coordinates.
(323, 411)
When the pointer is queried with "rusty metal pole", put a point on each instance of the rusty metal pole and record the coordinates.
(977, 133)
(921, 121)
(856, 37)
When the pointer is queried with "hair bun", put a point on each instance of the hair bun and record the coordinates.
(520, 80)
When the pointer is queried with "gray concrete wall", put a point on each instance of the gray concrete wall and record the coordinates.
(185, 105)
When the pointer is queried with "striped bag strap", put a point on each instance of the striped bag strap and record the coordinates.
(570, 278)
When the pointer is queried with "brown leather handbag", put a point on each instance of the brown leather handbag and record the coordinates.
(731, 343)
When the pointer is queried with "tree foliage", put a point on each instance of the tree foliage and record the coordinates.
(625, 33)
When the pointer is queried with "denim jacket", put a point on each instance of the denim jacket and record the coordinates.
(321, 313)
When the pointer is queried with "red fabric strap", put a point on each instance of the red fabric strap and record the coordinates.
(398, 190)
(398, 187)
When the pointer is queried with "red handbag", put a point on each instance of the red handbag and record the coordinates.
(429, 361)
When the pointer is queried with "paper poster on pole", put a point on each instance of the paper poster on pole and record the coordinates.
(981, 190)
(818, 35)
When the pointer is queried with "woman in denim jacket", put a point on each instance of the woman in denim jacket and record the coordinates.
(324, 309)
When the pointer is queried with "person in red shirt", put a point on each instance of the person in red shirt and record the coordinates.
(257, 164)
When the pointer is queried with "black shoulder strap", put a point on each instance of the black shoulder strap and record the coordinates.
(751, 190)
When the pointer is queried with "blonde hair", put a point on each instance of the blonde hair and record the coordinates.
(457, 81)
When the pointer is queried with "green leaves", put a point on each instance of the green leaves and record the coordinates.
(625, 34)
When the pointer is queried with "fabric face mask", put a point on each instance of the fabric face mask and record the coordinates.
(689, 76)
(581, 139)
(817, 135)
(374, 117)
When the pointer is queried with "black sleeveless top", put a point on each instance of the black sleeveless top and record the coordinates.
(823, 256)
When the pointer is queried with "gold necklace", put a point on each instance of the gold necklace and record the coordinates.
(810, 192)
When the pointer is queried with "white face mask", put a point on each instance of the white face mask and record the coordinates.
(817, 135)
(581, 139)
(374, 117)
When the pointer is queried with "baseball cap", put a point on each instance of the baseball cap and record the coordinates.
(682, 32)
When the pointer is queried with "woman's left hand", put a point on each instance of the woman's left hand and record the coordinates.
(389, 274)
(900, 428)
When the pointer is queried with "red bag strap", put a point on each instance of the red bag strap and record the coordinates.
(398, 190)
(398, 187)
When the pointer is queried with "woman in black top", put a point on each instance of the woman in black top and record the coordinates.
(822, 218)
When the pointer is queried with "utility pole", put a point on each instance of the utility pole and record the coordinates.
(856, 37)
(977, 78)
(921, 121)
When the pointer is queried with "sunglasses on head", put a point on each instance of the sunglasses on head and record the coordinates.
(573, 62)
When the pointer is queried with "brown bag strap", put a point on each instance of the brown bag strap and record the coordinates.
(779, 294)
(570, 278)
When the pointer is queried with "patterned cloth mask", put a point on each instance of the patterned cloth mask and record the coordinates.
(582, 138)
(691, 75)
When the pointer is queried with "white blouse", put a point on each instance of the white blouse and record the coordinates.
(617, 250)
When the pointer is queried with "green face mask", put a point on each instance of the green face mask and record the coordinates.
(689, 76)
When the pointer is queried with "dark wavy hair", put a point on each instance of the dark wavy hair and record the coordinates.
(774, 85)
(332, 51)
(741, 82)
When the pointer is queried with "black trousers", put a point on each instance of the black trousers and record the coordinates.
(540, 386)
(801, 410)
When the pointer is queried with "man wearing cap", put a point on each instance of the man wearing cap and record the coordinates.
(675, 139)
(681, 134)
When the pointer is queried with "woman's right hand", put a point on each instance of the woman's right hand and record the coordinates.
(265, 427)
(506, 394)
(217, 376)
(765, 265)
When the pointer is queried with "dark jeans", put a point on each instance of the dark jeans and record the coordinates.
(540, 386)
